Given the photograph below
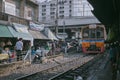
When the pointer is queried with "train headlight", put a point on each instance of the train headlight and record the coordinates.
(99, 44)
(85, 44)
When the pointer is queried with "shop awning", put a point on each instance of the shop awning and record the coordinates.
(4, 31)
(37, 34)
(25, 36)
(50, 34)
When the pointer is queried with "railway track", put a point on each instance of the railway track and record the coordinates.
(84, 72)
(58, 69)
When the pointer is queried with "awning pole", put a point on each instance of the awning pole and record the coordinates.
(28, 54)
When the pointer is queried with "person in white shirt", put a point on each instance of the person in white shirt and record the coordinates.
(19, 47)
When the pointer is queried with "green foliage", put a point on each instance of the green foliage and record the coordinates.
(112, 34)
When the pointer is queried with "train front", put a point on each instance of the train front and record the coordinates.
(93, 39)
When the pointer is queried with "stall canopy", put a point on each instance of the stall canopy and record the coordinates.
(50, 34)
(4, 31)
(20, 31)
(37, 34)
(36, 31)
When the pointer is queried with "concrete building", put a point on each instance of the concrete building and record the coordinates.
(49, 10)
(66, 16)
(26, 9)
(14, 19)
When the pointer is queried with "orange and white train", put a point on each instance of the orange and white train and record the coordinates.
(93, 37)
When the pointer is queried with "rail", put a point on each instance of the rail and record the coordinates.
(78, 70)
(77, 62)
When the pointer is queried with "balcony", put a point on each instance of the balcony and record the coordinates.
(13, 19)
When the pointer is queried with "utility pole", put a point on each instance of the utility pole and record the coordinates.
(83, 9)
(56, 21)
(63, 26)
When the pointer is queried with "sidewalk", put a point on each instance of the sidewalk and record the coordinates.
(104, 72)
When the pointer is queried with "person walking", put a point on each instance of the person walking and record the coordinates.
(53, 48)
(113, 59)
(19, 47)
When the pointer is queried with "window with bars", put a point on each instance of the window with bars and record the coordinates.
(43, 6)
(52, 13)
(61, 11)
(61, 16)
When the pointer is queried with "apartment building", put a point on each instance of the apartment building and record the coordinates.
(19, 19)
(27, 9)
(49, 10)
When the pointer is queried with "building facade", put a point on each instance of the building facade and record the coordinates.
(19, 19)
(14, 19)
(65, 15)
(27, 9)
(60, 9)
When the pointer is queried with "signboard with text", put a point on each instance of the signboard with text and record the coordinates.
(10, 8)
(38, 27)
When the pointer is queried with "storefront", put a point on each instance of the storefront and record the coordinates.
(5, 36)
(40, 39)
(21, 31)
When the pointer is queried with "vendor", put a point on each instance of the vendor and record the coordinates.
(8, 44)
(7, 51)
(2, 44)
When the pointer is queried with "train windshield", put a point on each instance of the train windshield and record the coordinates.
(93, 33)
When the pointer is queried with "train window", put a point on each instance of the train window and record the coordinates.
(92, 35)
(86, 33)
(100, 33)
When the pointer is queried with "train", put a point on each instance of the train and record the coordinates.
(92, 38)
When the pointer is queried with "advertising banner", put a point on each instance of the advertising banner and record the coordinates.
(38, 27)
(10, 8)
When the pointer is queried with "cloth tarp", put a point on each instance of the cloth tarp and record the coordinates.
(25, 36)
(4, 31)
(50, 34)
(37, 34)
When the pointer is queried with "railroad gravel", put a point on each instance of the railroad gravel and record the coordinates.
(22, 70)
(62, 68)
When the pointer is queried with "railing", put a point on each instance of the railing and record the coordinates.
(3, 16)
(13, 19)
(86, 13)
